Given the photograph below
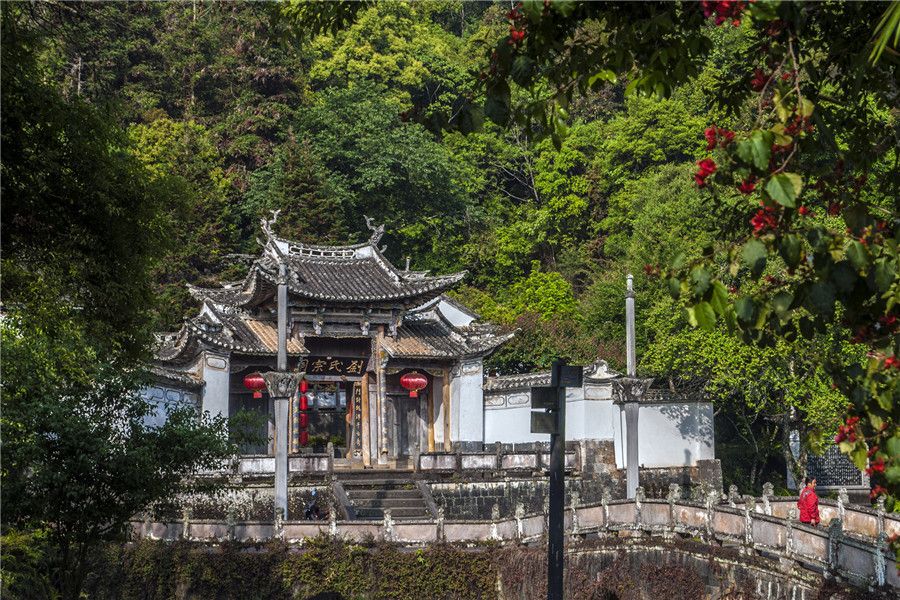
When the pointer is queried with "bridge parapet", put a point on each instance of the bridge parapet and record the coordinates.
(863, 561)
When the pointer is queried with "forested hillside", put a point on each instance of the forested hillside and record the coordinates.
(225, 112)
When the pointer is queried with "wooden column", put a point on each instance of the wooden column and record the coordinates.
(446, 401)
(430, 412)
(367, 456)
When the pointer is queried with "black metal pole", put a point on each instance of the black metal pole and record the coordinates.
(556, 550)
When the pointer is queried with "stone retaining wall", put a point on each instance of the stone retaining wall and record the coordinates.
(862, 561)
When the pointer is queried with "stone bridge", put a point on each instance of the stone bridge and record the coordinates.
(850, 545)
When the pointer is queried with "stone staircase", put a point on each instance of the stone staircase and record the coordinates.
(367, 495)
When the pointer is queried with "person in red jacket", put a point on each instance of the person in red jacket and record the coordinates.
(809, 503)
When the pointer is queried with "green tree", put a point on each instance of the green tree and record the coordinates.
(391, 170)
(182, 156)
(84, 223)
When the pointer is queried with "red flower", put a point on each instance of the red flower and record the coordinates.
(804, 211)
(877, 491)
(876, 467)
(748, 185)
(707, 167)
(710, 135)
(717, 135)
(759, 80)
(764, 220)
(724, 10)
(516, 35)
(834, 209)
(872, 451)
(892, 362)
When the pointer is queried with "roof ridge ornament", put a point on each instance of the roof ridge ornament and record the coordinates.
(271, 245)
(377, 232)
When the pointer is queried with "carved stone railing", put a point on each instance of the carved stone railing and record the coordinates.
(498, 460)
(859, 521)
(826, 550)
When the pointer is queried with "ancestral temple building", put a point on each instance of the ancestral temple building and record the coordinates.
(356, 323)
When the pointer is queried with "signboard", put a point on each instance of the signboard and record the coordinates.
(544, 398)
(327, 365)
(545, 401)
(543, 422)
(356, 434)
(566, 376)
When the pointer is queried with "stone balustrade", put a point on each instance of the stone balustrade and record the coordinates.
(833, 549)
(517, 461)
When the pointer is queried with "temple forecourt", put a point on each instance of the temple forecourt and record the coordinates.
(356, 324)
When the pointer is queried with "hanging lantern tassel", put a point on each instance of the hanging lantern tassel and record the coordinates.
(255, 383)
(414, 382)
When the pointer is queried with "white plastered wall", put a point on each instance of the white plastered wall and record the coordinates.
(670, 434)
(467, 402)
(589, 416)
(216, 376)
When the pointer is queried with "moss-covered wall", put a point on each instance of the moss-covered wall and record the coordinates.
(325, 568)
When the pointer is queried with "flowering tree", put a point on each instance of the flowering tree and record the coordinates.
(810, 180)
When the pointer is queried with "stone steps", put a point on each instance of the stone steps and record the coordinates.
(370, 494)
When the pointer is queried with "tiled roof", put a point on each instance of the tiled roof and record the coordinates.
(512, 382)
(341, 274)
(242, 333)
(232, 332)
(429, 335)
(597, 371)
(184, 378)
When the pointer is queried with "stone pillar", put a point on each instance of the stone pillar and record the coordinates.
(388, 526)
(749, 506)
(768, 492)
(672, 498)
(632, 454)
(835, 534)
(843, 500)
(381, 387)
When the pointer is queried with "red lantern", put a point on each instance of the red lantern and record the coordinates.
(304, 386)
(304, 420)
(304, 438)
(414, 382)
(304, 402)
(255, 383)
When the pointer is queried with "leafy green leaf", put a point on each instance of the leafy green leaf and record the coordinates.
(789, 247)
(858, 255)
(784, 188)
(754, 256)
(757, 150)
(497, 103)
(675, 287)
(745, 309)
(781, 302)
(885, 272)
(522, 70)
(719, 299)
(821, 298)
(703, 316)
(700, 276)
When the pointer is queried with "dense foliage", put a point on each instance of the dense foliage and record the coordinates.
(143, 141)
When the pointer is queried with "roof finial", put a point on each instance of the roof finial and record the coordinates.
(407, 264)
(377, 232)
(270, 243)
